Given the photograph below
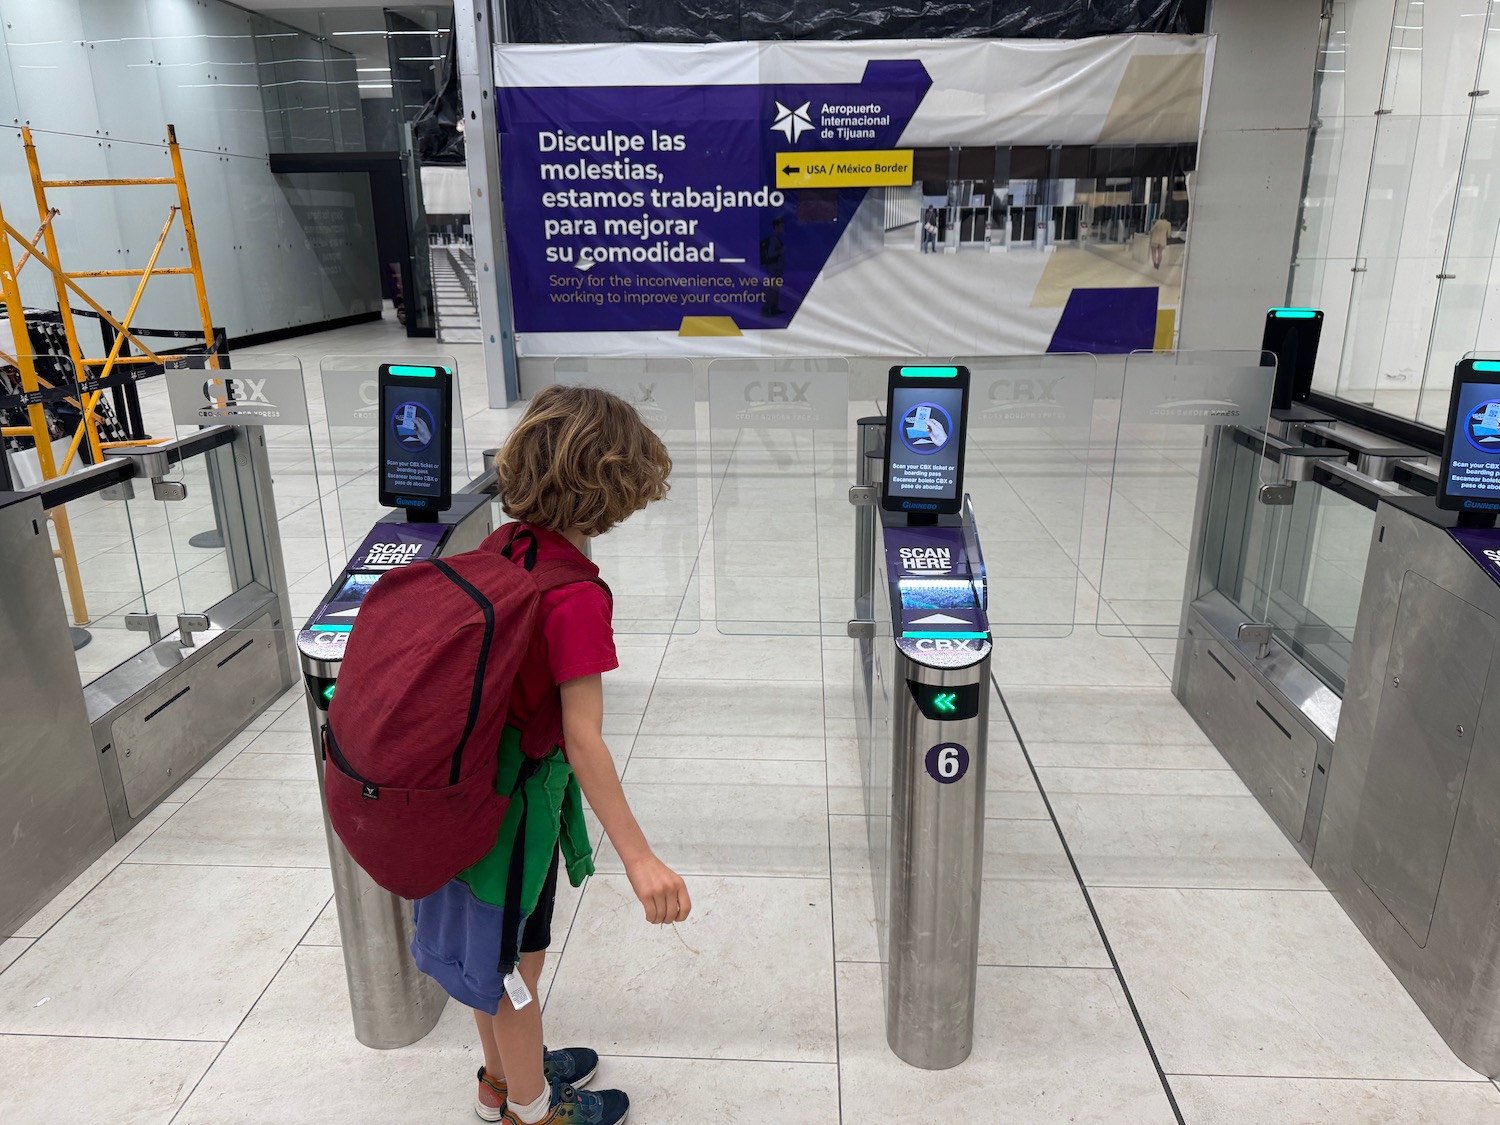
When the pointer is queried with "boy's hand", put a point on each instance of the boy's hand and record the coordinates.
(661, 891)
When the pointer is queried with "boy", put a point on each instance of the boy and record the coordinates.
(579, 462)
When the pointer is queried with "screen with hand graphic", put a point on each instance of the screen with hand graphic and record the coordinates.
(925, 445)
(416, 458)
(1471, 467)
(412, 457)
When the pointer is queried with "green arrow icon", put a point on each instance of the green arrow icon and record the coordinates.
(946, 701)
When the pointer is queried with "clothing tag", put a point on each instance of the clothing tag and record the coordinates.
(516, 989)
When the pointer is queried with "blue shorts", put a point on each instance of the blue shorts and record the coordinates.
(458, 939)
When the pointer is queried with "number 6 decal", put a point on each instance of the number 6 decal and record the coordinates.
(947, 762)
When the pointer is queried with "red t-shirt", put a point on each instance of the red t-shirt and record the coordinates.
(577, 637)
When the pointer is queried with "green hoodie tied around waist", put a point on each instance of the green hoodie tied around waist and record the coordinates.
(546, 797)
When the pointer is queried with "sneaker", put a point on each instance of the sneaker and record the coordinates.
(572, 1106)
(572, 1066)
(489, 1103)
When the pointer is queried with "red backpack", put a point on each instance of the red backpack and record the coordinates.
(411, 749)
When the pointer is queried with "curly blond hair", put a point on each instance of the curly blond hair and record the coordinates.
(580, 458)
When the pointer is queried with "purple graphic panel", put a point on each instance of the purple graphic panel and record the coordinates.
(931, 569)
(1107, 321)
(926, 552)
(1482, 545)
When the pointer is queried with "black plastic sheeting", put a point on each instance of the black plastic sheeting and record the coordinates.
(716, 21)
(435, 127)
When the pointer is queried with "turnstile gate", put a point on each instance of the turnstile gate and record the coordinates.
(922, 667)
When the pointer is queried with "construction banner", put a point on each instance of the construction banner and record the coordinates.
(904, 197)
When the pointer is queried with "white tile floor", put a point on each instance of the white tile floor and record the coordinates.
(1152, 948)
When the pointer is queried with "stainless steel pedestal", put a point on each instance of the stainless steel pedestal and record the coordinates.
(936, 868)
(922, 712)
(393, 1003)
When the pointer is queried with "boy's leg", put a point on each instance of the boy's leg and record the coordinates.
(486, 1025)
(490, 1098)
(518, 1037)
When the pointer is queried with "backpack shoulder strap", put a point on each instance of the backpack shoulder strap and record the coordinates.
(552, 574)
(517, 538)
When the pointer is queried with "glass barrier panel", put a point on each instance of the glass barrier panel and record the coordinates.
(1247, 535)
(781, 435)
(264, 391)
(1027, 472)
(651, 560)
(203, 525)
(1316, 578)
(350, 408)
(1168, 403)
(93, 537)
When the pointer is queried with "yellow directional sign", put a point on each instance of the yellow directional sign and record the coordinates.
(888, 168)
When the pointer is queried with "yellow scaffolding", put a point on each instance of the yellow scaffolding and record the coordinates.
(91, 371)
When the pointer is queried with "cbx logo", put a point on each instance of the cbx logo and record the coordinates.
(238, 398)
(945, 644)
(1030, 401)
(1025, 390)
(369, 399)
(773, 400)
(776, 391)
(246, 391)
(644, 401)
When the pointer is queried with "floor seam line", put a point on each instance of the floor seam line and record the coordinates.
(1088, 900)
(1340, 1078)
(285, 961)
(833, 925)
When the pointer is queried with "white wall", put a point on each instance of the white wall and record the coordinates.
(1246, 191)
(98, 81)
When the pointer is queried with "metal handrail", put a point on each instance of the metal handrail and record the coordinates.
(111, 471)
(465, 278)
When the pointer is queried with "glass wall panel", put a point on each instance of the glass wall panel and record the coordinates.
(1409, 162)
(1470, 261)
(1325, 154)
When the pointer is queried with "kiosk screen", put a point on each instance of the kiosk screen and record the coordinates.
(415, 441)
(925, 424)
(1471, 447)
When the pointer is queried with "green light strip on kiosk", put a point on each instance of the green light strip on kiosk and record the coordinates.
(929, 373)
(931, 635)
(1486, 365)
(333, 628)
(1294, 314)
(417, 372)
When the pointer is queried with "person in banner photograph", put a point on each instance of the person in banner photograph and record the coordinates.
(929, 229)
(1161, 231)
(773, 261)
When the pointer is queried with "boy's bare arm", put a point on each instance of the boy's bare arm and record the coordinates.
(660, 889)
